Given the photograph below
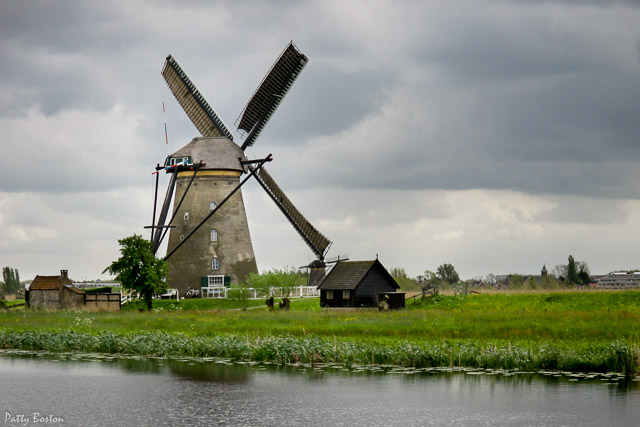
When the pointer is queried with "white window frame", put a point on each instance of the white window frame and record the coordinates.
(215, 281)
(215, 263)
(212, 206)
(214, 235)
(186, 216)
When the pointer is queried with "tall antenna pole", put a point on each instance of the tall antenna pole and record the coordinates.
(155, 203)
(164, 115)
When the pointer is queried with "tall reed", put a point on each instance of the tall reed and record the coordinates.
(612, 357)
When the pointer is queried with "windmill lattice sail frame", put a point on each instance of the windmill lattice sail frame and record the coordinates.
(192, 102)
(318, 243)
(270, 93)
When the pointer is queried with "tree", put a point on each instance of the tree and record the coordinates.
(583, 272)
(530, 283)
(447, 273)
(572, 272)
(239, 293)
(549, 282)
(138, 269)
(516, 281)
(431, 277)
(277, 283)
(560, 272)
(11, 279)
(403, 280)
(491, 279)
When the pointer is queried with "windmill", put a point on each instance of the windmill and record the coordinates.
(209, 240)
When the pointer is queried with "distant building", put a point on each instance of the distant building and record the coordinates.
(618, 280)
(359, 284)
(504, 280)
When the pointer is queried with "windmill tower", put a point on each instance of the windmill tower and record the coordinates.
(209, 239)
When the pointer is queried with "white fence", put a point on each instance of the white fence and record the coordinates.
(222, 292)
(92, 285)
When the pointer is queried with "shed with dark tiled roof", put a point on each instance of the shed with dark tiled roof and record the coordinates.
(356, 284)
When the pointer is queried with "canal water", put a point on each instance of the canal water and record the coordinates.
(98, 390)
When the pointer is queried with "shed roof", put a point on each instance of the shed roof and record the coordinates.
(217, 152)
(349, 274)
(48, 283)
(74, 289)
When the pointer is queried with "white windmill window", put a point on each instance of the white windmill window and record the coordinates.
(215, 264)
(181, 237)
(214, 235)
(186, 216)
(212, 206)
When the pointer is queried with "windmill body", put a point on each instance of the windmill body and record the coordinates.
(222, 247)
(209, 235)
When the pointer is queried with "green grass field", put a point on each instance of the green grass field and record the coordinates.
(569, 326)
(197, 304)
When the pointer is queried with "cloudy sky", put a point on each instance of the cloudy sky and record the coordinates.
(493, 135)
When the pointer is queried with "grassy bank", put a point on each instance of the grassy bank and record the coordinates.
(197, 304)
(579, 331)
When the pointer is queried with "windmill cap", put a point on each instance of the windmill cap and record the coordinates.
(219, 153)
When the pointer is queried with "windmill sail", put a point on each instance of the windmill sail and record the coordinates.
(192, 102)
(270, 93)
(318, 243)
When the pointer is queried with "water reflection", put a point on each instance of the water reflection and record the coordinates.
(210, 372)
(102, 390)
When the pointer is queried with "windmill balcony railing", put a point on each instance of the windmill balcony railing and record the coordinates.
(296, 292)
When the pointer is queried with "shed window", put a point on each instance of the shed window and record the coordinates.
(186, 216)
(214, 235)
(215, 264)
(212, 206)
(346, 294)
(329, 294)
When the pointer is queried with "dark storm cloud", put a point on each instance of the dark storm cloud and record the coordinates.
(62, 27)
(533, 97)
(59, 56)
(52, 85)
(327, 101)
(533, 100)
